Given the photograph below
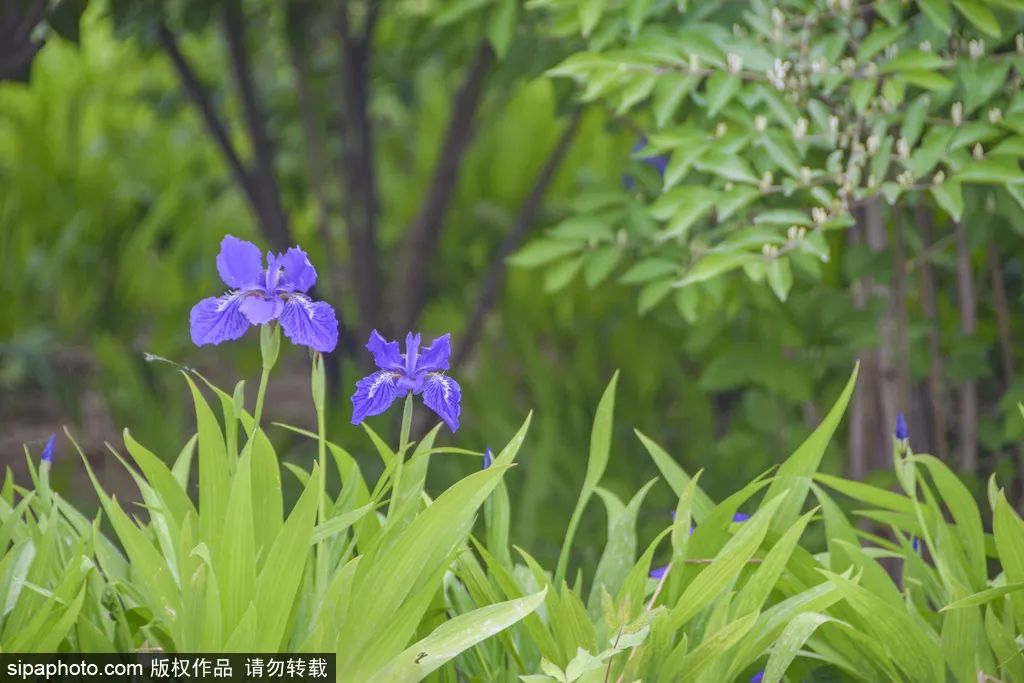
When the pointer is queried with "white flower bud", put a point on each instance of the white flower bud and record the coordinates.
(833, 124)
(801, 232)
(848, 64)
(760, 123)
(766, 250)
(767, 180)
(978, 152)
(995, 115)
(903, 148)
(925, 46)
(805, 175)
(778, 18)
(791, 233)
(906, 179)
(938, 178)
(694, 62)
(873, 143)
(734, 62)
(721, 129)
(976, 49)
(819, 214)
(957, 113)
(800, 128)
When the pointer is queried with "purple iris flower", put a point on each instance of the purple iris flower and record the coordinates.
(415, 371)
(259, 296)
(47, 455)
(757, 678)
(659, 572)
(488, 457)
(901, 427)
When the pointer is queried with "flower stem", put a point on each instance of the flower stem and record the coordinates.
(403, 446)
(257, 414)
(318, 383)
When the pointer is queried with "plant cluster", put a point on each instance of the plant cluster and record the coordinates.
(403, 585)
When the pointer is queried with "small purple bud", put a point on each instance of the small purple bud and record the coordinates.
(47, 455)
(488, 457)
(658, 572)
(740, 517)
(757, 678)
(901, 427)
(915, 543)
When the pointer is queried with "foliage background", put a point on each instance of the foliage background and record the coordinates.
(114, 196)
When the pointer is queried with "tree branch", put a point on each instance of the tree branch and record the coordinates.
(200, 97)
(267, 194)
(424, 233)
(357, 169)
(969, 387)
(524, 220)
(923, 224)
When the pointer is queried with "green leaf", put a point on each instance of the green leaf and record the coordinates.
(561, 274)
(717, 576)
(278, 583)
(454, 637)
(652, 294)
(600, 447)
(950, 197)
(929, 80)
(669, 92)
(914, 60)
(713, 264)
(994, 170)
(699, 203)
(600, 263)
(590, 12)
(619, 552)
(983, 597)
(780, 277)
(938, 12)
(795, 474)
(541, 251)
(720, 88)
(501, 25)
(881, 37)
(676, 477)
(979, 15)
(647, 270)
(789, 644)
(729, 166)
(1008, 531)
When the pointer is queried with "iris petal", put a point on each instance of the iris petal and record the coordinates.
(298, 274)
(260, 310)
(435, 357)
(374, 394)
(386, 355)
(310, 323)
(239, 263)
(443, 395)
(217, 319)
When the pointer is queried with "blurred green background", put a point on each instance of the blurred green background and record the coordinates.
(410, 147)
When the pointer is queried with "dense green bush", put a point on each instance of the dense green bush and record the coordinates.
(404, 585)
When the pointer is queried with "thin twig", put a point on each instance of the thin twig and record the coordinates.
(524, 220)
(423, 235)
